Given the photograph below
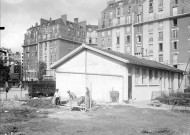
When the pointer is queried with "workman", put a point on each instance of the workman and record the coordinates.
(71, 95)
(57, 97)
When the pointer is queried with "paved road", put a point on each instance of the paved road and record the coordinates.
(13, 93)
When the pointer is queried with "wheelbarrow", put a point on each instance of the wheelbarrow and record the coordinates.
(77, 104)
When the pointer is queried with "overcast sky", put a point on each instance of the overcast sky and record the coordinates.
(18, 15)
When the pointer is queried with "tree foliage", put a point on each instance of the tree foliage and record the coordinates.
(41, 70)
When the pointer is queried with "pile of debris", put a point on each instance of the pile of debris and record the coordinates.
(155, 103)
(40, 103)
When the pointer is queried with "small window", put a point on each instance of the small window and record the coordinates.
(118, 40)
(175, 45)
(128, 38)
(175, 22)
(160, 57)
(139, 39)
(150, 76)
(160, 47)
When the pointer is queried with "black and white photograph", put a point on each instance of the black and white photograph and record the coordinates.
(94, 67)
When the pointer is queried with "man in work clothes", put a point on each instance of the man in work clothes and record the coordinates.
(71, 95)
(57, 97)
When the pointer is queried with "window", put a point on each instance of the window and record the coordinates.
(150, 37)
(174, 33)
(150, 76)
(137, 75)
(175, 45)
(109, 41)
(128, 19)
(51, 50)
(128, 29)
(150, 5)
(128, 38)
(156, 77)
(175, 58)
(160, 57)
(103, 34)
(174, 11)
(175, 1)
(138, 29)
(111, 14)
(160, 47)
(160, 25)
(55, 50)
(109, 33)
(90, 40)
(138, 18)
(118, 40)
(118, 48)
(139, 39)
(160, 3)
(150, 48)
(144, 76)
(175, 22)
(118, 11)
(104, 16)
(102, 42)
(160, 14)
(109, 23)
(160, 35)
(150, 28)
(103, 25)
(118, 20)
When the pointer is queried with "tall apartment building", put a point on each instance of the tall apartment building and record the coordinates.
(154, 29)
(91, 35)
(49, 41)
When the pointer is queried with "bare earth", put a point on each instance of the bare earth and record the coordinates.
(104, 120)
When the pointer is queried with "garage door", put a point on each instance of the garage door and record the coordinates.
(102, 85)
(72, 82)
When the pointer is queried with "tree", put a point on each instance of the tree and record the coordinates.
(41, 70)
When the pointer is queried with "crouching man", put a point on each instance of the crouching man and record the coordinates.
(72, 95)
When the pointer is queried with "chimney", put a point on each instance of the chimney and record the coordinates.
(36, 24)
(50, 19)
(64, 18)
(76, 20)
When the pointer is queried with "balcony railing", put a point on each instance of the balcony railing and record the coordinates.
(121, 22)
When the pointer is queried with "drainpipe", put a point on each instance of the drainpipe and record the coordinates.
(132, 34)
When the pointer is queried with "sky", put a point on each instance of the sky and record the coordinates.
(19, 15)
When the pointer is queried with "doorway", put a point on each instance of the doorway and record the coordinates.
(129, 87)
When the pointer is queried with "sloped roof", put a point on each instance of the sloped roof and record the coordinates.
(126, 58)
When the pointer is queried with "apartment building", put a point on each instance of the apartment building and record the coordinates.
(91, 35)
(153, 29)
(116, 26)
(49, 41)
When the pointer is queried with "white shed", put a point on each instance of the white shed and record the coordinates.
(103, 71)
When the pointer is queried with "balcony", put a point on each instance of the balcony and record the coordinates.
(114, 24)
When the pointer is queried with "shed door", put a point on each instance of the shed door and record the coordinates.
(102, 85)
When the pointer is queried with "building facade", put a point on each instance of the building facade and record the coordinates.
(153, 29)
(91, 35)
(49, 41)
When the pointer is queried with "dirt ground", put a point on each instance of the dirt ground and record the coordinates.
(113, 120)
